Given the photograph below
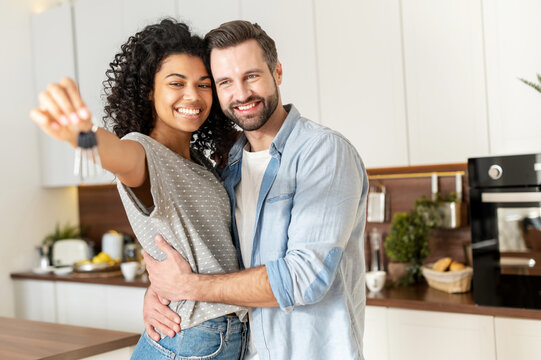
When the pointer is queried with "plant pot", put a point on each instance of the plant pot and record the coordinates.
(397, 270)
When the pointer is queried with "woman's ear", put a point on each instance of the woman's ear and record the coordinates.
(151, 95)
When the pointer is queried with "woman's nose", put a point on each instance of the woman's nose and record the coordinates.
(191, 92)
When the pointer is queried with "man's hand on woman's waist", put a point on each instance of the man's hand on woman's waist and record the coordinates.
(174, 279)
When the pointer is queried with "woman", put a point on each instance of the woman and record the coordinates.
(161, 103)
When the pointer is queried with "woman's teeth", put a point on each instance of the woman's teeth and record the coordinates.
(185, 111)
(246, 107)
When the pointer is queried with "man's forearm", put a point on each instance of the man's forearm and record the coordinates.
(249, 287)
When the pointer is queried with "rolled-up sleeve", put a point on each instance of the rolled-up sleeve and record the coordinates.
(329, 184)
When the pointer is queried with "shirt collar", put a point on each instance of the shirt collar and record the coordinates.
(278, 143)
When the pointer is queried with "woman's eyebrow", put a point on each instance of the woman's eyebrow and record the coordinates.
(175, 74)
(205, 77)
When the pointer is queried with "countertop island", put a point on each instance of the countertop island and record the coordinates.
(26, 339)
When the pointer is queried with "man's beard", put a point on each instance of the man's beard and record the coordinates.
(255, 121)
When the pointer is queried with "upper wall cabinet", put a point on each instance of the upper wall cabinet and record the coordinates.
(101, 27)
(513, 51)
(361, 77)
(445, 81)
(205, 15)
(52, 59)
(291, 25)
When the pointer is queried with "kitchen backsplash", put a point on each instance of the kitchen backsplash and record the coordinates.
(100, 207)
(403, 186)
(100, 210)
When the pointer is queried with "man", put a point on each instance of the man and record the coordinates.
(298, 217)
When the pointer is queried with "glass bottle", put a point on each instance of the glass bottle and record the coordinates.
(375, 241)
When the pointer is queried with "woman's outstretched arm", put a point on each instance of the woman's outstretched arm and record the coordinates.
(62, 114)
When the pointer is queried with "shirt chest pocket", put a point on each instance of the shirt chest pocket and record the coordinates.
(280, 197)
(275, 220)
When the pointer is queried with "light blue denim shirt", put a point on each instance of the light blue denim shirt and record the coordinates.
(309, 234)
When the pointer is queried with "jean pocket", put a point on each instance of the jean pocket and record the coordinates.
(201, 343)
(151, 350)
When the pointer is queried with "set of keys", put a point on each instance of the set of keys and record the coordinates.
(87, 158)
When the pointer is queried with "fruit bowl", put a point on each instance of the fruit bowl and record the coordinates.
(99, 263)
(100, 267)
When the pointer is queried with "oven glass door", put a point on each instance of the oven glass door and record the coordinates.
(518, 218)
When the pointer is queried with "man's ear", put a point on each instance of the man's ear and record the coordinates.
(278, 72)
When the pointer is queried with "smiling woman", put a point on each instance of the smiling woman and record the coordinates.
(182, 98)
(161, 106)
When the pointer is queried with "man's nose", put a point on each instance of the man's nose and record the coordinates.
(242, 92)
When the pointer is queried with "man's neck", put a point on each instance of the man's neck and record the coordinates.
(261, 139)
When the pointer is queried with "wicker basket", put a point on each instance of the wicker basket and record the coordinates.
(449, 281)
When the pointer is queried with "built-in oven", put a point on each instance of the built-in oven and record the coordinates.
(505, 200)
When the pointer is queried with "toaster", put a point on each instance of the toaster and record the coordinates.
(67, 252)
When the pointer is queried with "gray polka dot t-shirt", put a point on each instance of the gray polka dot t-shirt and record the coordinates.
(191, 210)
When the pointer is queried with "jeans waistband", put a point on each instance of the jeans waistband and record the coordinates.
(224, 323)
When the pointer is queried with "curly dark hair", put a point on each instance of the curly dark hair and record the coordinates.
(130, 79)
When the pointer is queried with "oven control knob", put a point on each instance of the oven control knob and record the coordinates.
(495, 172)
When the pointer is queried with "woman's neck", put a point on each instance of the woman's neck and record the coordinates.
(175, 140)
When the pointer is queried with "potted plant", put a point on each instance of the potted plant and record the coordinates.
(407, 242)
(62, 232)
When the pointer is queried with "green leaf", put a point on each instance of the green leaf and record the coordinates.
(67, 231)
(534, 85)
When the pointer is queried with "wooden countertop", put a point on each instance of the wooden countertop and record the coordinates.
(423, 297)
(419, 297)
(25, 339)
(140, 281)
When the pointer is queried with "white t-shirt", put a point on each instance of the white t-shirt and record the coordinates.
(254, 165)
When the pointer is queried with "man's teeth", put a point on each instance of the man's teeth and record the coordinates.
(246, 107)
(188, 111)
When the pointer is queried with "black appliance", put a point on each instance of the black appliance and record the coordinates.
(505, 200)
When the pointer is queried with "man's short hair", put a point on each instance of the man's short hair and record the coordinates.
(235, 32)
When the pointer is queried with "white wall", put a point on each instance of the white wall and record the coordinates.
(27, 212)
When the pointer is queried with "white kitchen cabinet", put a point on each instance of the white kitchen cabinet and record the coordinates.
(419, 335)
(101, 27)
(512, 52)
(361, 78)
(296, 49)
(81, 304)
(445, 80)
(101, 306)
(291, 25)
(205, 15)
(108, 307)
(375, 342)
(517, 339)
(53, 57)
(136, 14)
(125, 308)
(35, 300)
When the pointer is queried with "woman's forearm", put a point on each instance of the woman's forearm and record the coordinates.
(124, 158)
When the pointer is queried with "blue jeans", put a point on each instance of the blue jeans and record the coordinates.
(223, 338)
